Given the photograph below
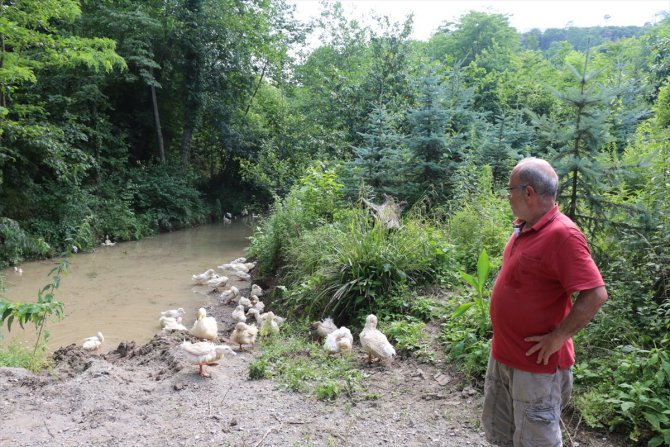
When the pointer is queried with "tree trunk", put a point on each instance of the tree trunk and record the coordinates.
(2, 63)
(186, 144)
(256, 89)
(159, 130)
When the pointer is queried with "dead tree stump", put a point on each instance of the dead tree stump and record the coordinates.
(388, 213)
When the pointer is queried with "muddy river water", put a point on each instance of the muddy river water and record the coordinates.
(121, 290)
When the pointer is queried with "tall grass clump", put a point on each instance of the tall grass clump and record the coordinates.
(355, 266)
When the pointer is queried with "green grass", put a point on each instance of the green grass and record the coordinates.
(19, 356)
(304, 366)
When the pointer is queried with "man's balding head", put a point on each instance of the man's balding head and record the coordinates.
(539, 174)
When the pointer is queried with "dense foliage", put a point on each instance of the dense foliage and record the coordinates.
(129, 117)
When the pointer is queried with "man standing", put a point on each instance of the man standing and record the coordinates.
(547, 259)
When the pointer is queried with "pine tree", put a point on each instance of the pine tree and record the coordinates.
(574, 143)
(439, 130)
(379, 161)
(503, 143)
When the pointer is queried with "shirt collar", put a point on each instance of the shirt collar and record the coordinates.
(544, 220)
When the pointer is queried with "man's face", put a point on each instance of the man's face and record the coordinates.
(515, 194)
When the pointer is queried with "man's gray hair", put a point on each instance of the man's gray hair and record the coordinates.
(531, 173)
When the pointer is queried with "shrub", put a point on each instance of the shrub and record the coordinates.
(312, 202)
(17, 245)
(480, 220)
(464, 347)
(630, 389)
(168, 195)
(20, 356)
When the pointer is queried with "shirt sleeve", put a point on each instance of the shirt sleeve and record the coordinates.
(574, 265)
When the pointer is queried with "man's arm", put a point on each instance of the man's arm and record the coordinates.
(583, 310)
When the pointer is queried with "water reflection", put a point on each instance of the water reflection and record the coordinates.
(121, 290)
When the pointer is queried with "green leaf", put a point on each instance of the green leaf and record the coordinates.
(653, 420)
(483, 269)
(462, 309)
(666, 368)
(470, 279)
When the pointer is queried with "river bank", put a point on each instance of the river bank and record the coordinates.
(149, 395)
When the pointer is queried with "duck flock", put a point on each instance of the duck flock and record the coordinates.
(264, 324)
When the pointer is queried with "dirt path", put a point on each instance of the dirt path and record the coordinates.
(149, 395)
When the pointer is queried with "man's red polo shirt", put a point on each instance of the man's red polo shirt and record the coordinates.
(541, 269)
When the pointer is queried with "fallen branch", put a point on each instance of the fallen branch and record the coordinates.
(48, 431)
(266, 435)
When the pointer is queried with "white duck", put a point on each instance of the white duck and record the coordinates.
(202, 278)
(374, 342)
(244, 302)
(173, 325)
(217, 281)
(204, 353)
(256, 290)
(339, 341)
(256, 315)
(173, 313)
(240, 267)
(321, 329)
(257, 304)
(164, 321)
(238, 314)
(204, 326)
(238, 260)
(250, 265)
(229, 295)
(243, 276)
(108, 242)
(244, 334)
(93, 343)
(269, 327)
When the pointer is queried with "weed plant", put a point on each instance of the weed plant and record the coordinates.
(631, 390)
(408, 338)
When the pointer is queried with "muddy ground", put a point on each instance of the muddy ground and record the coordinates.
(149, 396)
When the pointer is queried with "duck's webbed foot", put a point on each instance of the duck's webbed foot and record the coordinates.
(202, 372)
